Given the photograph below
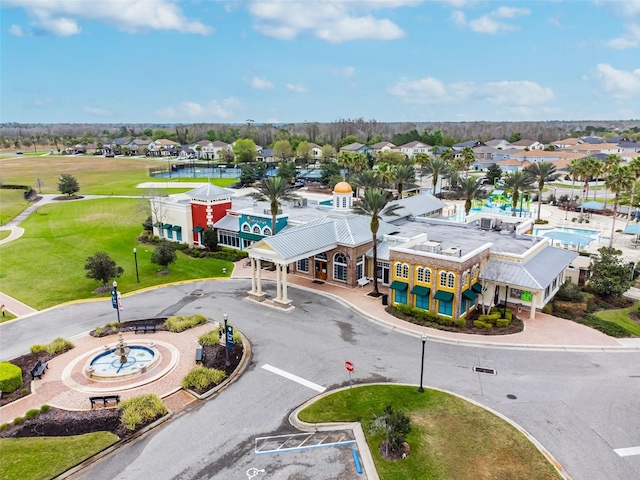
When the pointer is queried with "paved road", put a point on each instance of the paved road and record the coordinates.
(580, 405)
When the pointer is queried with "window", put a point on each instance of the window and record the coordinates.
(360, 267)
(266, 231)
(303, 265)
(451, 280)
(463, 306)
(474, 273)
(422, 301)
(423, 275)
(340, 267)
(246, 227)
(465, 279)
(445, 308)
(169, 234)
(405, 270)
(256, 229)
(344, 202)
(400, 296)
(179, 235)
(398, 269)
(443, 279)
(228, 239)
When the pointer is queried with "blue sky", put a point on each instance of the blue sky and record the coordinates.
(169, 61)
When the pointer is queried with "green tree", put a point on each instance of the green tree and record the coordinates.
(164, 254)
(328, 172)
(392, 157)
(515, 137)
(68, 185)
(210, 239)
(405, 177)
(245, 150)
(247, 174)
(468, 159)
(102, 268)
(282, 149)
(395, 425)
(348, 140)
(610, 273)
(363, 180)
(304, 151)
(274, 190)
(634, 167)
(386, 174)
(470, 188)
(375, 204)
(287, 171)
(517, 182)
(328, 152)
(494, 172)
(608, 164)
(147, 225)
(436, 167)
(541, 172)
(147, 132)
(620, 179)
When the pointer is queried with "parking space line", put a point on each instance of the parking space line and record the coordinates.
(295, 378)
(627, 452)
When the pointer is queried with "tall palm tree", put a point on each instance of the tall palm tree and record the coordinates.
(516, 182)
(607, 165)
(435, 167)
(386, 174)
(468, 158)
(634, 166)
(405, 177)
(574, 170)
(375, 205)
(273, 190)
(585, 169)
(365, 179)
(542, 172)
(470, 187)
(597, 169)
(619, 180)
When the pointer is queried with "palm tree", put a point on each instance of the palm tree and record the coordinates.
(585, 170)
(608, 164)
(516, 182)
(468, 159)
(436, 167)
(405, 177)
(470, 187)
(619, 180)
(634, 166)
(386, 174)
(273, 190)
(541, 172)
(597, 169)
(365, 179)
(375, 204)
(574, 170)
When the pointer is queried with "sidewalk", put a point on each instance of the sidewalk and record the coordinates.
(14, 306)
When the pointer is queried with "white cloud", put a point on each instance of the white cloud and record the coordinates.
(620, 83)
(16, 31)
(334, 22)
(346, 72)
(188, 110)
(261, 83)
(96, 111)
(59, 17)
(490, 23)
(297, 87)
(630, 39)
(431, 91)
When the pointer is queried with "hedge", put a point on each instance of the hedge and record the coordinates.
(140, 410)
(10, 377)
(180, 323)
(59, 345)
(608, 328)
(201, 378)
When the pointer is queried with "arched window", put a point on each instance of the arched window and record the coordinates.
(340, 267)
(405, 270)
(420, 274)
(398, 269)
(451, 280)
(474, 273)
(465, 278)
(344, 202)
(443, 279)
(266, 231)
(246, 227)
(256, 229)
(427, 275)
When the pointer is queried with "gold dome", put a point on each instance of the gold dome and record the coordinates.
(342, 187)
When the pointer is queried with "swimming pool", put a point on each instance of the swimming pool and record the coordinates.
(569, 236)
(577, 231)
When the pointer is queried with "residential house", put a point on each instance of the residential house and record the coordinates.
(383, 147)
(210, 150)
(527, 144)
(411, 149)
(357, 148)
(566, 143)
(469, 143)
(266, 155)
(316, 151)
(501, 144)
(163, 148)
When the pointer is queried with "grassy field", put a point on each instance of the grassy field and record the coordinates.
(41, 458)
(45, 266)
(450, 438)
(4, 234)
(621, 317)
(12, 202)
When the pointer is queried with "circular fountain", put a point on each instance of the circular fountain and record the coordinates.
(121, 362)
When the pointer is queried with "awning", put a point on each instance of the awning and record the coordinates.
(198, 229)
(176, 228)
(470, 295)
(444, 296)
(167, 226)
(397, 285)
(477, 287)
(420, 290)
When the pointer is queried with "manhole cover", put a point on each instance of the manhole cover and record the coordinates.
(511, 396)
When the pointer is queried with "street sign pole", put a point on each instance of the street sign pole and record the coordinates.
(349, 366)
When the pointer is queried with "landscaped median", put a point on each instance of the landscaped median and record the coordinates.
(449, 436)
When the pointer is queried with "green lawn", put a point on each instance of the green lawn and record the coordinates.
(12, 202)
(45, 266)
(621, 317)
(43, 458)
(450, 438)
(4, 234)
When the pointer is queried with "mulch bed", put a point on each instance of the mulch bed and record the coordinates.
(58, 422)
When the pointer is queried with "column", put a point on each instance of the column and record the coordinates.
(253, 276)
(284, 284)
(532, 311)
(278, 284)
(258, 266)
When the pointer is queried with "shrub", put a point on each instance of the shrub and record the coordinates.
(461, 323)
(492, 318)
(45, 408)
(608, 328)
(4, 426)
(24, 391)
(137, 411)
(548, 309)
(503, 322)
(34, 412)
(59, 345)
(180, 323)
(10, 377)
(569, 292)
(98, 331)
(570, 309)
(18, 421)
(201, 378)
(481, 324)
(209, 338)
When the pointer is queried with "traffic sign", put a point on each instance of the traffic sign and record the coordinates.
(349, 366)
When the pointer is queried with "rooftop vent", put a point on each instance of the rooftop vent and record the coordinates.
(487, 223)
(452, 252)
(431, 247)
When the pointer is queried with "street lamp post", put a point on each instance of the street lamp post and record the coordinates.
(424, 339)
(135, 258)
(226, 348)
(117, 301)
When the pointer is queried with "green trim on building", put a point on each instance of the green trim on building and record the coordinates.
(476, 287)
(167, 226)
(420, 290)
(198, 229)
(176, 228)
(397, 285)
(470, 295)
(444, 296)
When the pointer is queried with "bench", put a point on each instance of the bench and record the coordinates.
(104, 400)
(38, 370)
(363, 281)
(199, 355)
(144, 329)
